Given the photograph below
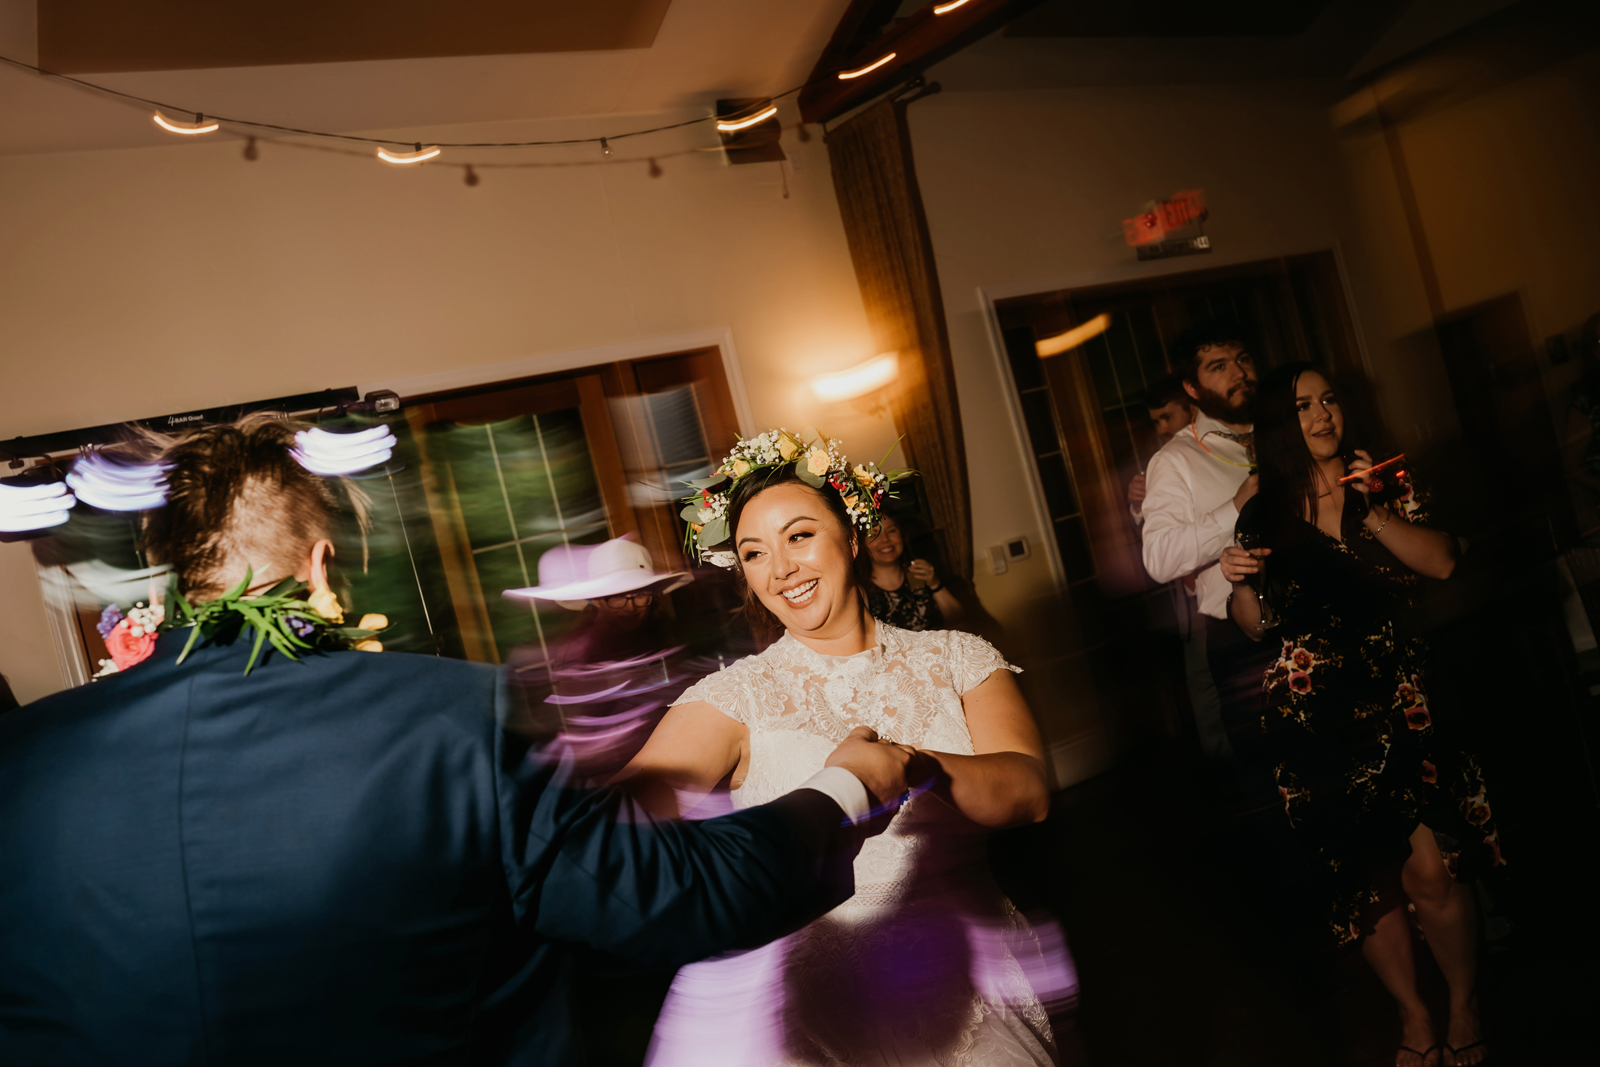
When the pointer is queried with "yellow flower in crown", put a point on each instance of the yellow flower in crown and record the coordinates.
(818, 461)
(740, 468)
(788, 447)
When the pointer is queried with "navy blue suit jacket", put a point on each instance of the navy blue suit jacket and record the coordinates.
(343, 860)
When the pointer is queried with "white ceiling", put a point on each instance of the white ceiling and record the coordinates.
(705, 49)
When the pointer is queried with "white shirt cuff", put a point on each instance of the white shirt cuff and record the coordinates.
(844, 788)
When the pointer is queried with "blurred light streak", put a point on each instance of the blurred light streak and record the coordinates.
(875, 373)
(1062, 342)
(112, 485)
(333, 454)
(34, 507)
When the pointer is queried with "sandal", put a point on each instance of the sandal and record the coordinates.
(1456, 1052)
(1425, 1053)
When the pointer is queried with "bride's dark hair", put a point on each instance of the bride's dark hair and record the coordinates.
(761, 620)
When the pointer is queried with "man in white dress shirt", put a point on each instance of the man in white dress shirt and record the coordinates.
(1171, 411)
(1194, 488)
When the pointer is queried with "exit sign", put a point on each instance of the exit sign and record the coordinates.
(1175, 213)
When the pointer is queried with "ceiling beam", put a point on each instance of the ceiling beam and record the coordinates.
(917, 41)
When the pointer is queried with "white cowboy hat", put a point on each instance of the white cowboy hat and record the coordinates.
(571, 575)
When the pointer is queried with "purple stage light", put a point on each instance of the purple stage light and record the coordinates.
(114, 485)
(332, 454)
(34, 507)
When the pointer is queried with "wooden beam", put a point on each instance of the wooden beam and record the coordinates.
(917, 42)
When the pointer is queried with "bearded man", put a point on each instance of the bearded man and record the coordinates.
(1194, 488)
(343, 859)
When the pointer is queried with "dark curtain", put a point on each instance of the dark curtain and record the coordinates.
(876, 183)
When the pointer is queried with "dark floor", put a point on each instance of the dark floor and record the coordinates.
(1191, 945)
(1194, 946)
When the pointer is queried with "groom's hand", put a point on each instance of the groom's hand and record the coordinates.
(882, 766)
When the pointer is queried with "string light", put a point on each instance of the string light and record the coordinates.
(655, 168)
(421, 155)
(846, 75)
(472, 175)
(389, 150)
(199, 125)
(875, 373)
(945, 9)
(732, 126)
(1062, 342)
(251, 152)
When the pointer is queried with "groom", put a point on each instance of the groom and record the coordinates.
(344, 860)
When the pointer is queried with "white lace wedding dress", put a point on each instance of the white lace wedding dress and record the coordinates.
(928, 963)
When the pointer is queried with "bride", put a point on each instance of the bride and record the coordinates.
(928, 963)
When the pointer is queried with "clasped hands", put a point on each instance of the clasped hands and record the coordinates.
(887, 769)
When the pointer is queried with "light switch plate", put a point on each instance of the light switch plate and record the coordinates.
(997, 559)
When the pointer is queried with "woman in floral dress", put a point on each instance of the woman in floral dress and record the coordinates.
(1397, 815)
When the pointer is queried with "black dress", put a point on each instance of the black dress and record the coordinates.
(907, 608)
(1360, 761)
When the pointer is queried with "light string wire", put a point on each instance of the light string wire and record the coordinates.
(386, 140)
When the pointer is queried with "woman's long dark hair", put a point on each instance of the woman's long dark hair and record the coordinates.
(1289, 477)
(1288, 473)
(762, 621)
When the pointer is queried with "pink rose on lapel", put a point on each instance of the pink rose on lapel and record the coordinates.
(126, 649)
(130, 639)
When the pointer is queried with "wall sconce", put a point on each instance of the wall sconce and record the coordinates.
(875, 373)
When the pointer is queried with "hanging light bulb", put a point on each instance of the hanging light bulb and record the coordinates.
(472, 175)
(732, 125)
(945, 9)
(846, 75)
(802, 133)
(199, 125)
(33, 507)
(605, 149)
(113, 485)
(655, 168)
(332, 454)
(421, 155)
(251, 152)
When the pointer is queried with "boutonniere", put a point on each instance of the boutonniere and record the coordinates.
(282, 616)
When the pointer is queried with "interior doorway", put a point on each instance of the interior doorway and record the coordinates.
(1089, 433)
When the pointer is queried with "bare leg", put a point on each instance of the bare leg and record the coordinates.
(1449, 919)
(1387, 951)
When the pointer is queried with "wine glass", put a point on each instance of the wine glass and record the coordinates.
(1248, 541)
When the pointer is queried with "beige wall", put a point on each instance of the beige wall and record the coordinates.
(145, 281)
(1026, 192)
(1504, 184)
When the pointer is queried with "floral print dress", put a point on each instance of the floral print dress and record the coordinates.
(1360, 761)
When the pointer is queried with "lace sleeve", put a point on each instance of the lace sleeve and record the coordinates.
(723, 691)
(972, 660)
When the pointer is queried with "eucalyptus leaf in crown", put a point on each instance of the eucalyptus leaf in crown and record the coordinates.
(819, 464)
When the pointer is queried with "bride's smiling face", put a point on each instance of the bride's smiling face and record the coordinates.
(797, 557)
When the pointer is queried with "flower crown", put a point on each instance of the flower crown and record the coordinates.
(818, 464)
